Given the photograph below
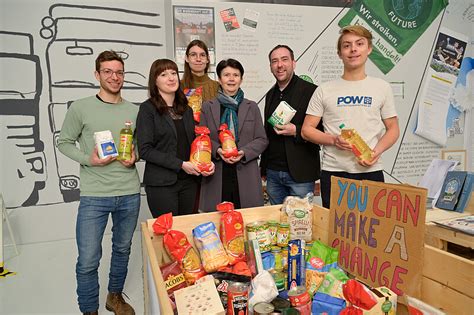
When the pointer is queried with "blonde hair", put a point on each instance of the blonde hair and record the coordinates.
(358, 30)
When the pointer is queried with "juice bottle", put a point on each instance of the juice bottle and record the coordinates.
(125, 144)
(359, 147)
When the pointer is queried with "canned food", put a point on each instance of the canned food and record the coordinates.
(280, 304)
(273, 227)
(299, 296)
(280, 280)
(307, 249)
(283, 234)
(263, 308)
(276, 251)
(237, 298)
(284, 259)
(259, 231)
(290, 311)
(304, 309)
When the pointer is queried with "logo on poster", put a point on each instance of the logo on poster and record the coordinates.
(408, 14)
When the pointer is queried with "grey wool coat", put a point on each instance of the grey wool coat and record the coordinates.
(252, 140)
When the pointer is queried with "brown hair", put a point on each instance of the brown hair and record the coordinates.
(180, 103)
(292, 54)
(358, 30)
(107, 55)
(187, 69)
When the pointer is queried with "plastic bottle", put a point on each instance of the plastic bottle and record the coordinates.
(125, 144)
(359, 147)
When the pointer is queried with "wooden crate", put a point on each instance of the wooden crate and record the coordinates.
(448, 280)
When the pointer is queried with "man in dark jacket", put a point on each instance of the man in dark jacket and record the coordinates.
(289, 164)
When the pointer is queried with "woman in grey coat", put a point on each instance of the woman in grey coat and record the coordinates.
(236, 179)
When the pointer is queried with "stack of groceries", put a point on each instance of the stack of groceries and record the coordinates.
(262, 267)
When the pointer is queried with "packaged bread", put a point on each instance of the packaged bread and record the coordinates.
(194, 97)
(201, 149)
(300, 216)
(227, 140)
(179, 248)
(210, 247)
(232, 232)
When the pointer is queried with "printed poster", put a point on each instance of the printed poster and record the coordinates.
(395, 25)
(379, 231)
(229, 19)
(192, 23)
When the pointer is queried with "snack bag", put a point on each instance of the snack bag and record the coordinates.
(321, 258)
(201, 149)
(300, 217)
(210, 247)
(332, 283)
(359, 297)
(232, 232)
(194, 97)
(178, 247)
(227, 140)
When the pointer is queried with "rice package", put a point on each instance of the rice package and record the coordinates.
(227, 140)
(210, 247)
(300, 217)
(201, 149)
(194, 97)
(232, 232)
(282, 114)
(179, 248)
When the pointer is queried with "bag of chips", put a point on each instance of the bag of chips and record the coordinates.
(227, 140)
(210, 247)
(179, 248)
(201, 149)
(232, 232)
(194, 97)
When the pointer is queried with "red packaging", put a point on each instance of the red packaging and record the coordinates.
(237, 298)
(194, 97)
(232, 232)
(174, 279)
(359, 297)
(201, 149)
(299, 296)
(178, 247)
(227, 140)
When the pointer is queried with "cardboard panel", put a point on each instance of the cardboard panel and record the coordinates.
(379, 231)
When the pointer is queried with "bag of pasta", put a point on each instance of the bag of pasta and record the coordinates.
(194, 97)
(179, 248)
(210, 247)
(300, 216)
(201, 149)
(232, 232)
(227, 140)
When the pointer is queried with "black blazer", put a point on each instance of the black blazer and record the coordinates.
(302, 156)
(157, 144)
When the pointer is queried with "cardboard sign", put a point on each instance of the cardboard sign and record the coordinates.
(379, 231)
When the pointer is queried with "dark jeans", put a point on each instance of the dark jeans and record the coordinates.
(376, 176)
(178, 198)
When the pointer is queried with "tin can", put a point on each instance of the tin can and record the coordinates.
(304, 309)
(259, 231)
(273, 227)
(280, 304)
(276, 251)
(280, 280)
(299, 296)
(237, 298)
(263, 308)
(283, 234)
(290, 311)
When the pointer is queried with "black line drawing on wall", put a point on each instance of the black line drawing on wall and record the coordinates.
(24, 170)
(77, 34)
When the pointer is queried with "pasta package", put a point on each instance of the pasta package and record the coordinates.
(179, 248)
(201, 149)
(227, 140)
(232, 232)
(210, 247)
(194, 97)
(300, 217)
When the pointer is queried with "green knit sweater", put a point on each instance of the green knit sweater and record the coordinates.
(85, 117)
(209, 87)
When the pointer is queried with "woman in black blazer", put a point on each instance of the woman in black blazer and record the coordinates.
(165, 131)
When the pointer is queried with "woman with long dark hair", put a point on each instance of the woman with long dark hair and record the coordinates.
(165, 131)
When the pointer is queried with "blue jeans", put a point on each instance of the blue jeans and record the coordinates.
(281, 184)
(91, 222)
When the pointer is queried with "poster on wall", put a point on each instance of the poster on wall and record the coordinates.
(379, 230)
(395, 25)
(434, 105)
(192, 23)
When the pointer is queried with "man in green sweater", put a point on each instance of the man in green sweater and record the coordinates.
(108, 186)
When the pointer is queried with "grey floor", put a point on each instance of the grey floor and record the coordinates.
(45, 280)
